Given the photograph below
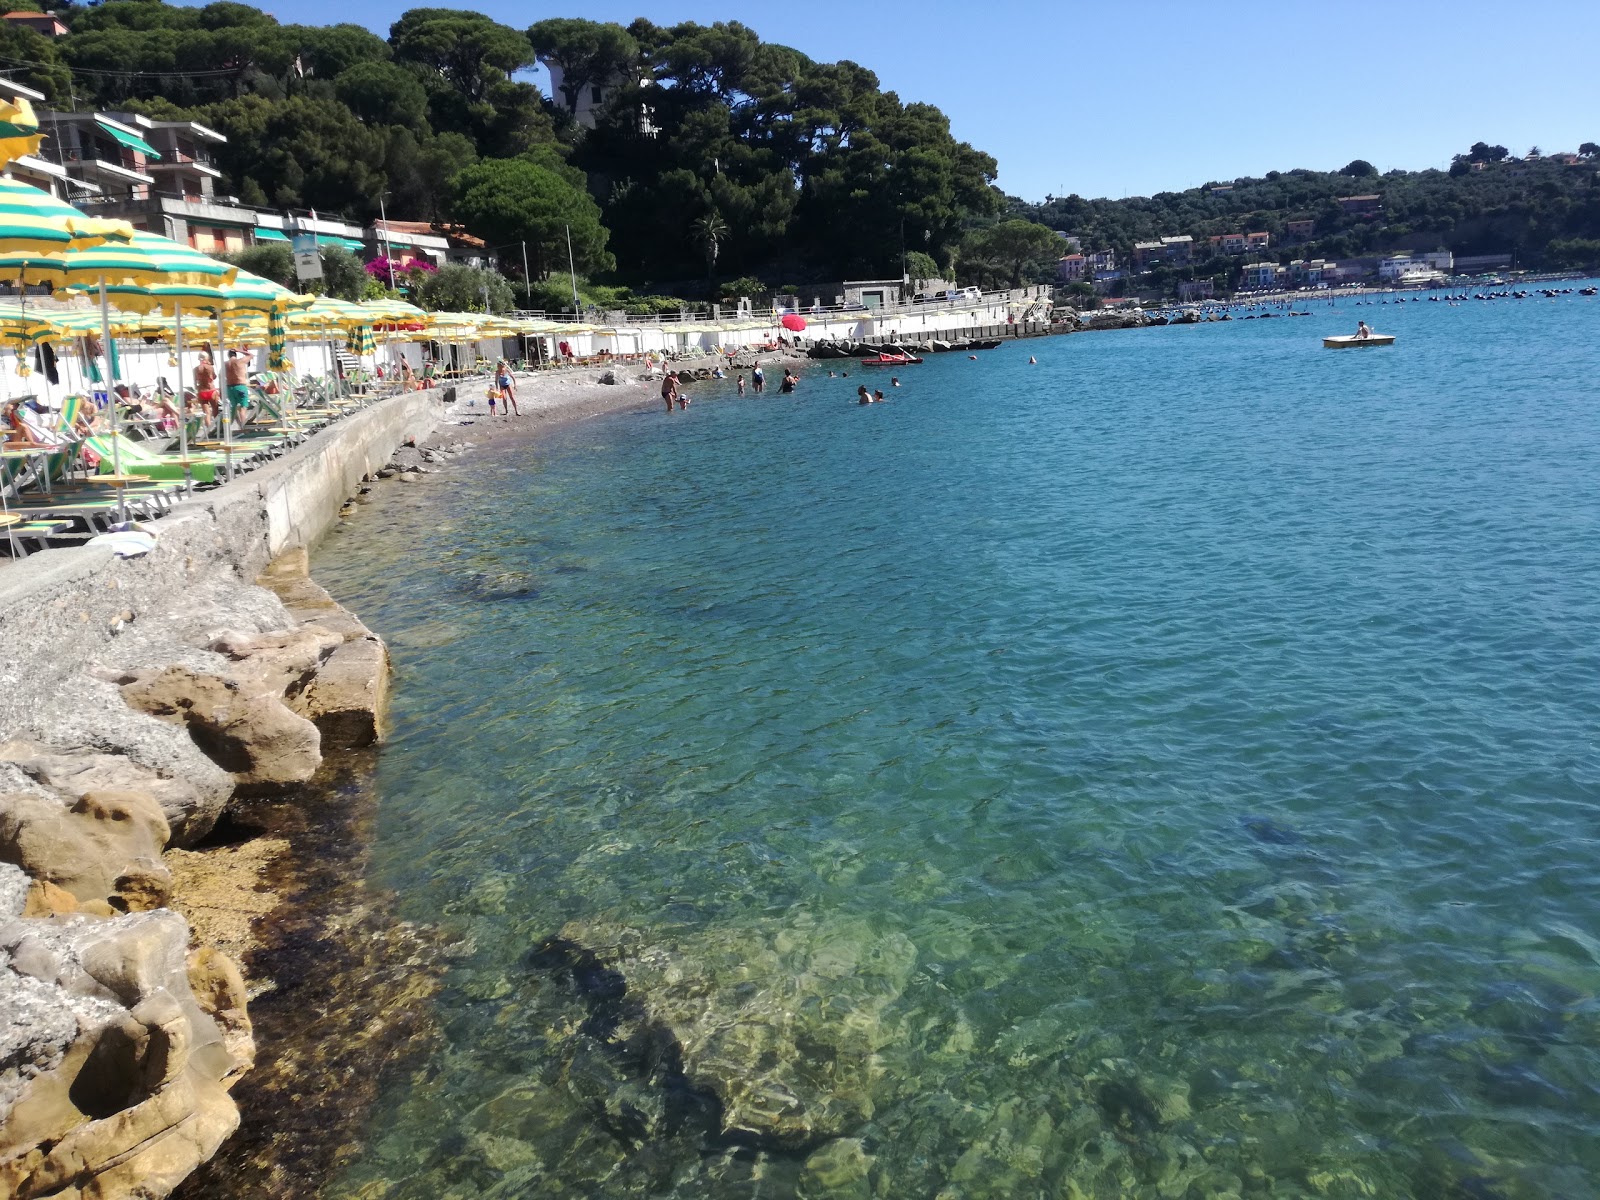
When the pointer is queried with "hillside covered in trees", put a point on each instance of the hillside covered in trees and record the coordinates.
(1543, 209)
(751, 158)
(715, 157)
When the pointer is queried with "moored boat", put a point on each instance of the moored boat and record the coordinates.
(1347, 341)
(891, 360)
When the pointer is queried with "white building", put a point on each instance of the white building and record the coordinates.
(587, 102)
(1416, 268)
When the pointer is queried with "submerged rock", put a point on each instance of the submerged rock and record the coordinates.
(782, 1025)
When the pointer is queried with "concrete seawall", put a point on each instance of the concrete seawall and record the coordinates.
(60, 608)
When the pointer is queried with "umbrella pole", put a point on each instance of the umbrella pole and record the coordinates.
(227, 401)
(111, 402)
(183, 404)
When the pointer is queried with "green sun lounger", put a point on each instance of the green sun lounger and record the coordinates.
(137, 459)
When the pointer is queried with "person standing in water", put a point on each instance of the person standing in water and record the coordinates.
(758, 378)
(862, 395)
(669, 389)
(741, 383)
(789, 380)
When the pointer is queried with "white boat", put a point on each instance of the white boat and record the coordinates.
(1346, 340)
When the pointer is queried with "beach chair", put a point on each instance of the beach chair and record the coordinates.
(138, 459)
(19, 541)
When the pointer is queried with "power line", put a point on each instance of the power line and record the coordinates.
(175, 73)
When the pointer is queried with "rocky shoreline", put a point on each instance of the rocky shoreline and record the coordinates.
(184, 795)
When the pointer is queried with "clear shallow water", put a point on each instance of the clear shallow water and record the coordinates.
(1167, 770)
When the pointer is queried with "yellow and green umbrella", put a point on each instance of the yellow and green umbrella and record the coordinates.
(35, 223)
(19, 130)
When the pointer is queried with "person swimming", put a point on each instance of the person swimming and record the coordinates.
(862, 395)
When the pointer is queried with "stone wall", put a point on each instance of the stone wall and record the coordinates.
(139, 698)
(61, 608)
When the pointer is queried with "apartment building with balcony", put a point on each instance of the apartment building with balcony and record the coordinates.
(38, 170)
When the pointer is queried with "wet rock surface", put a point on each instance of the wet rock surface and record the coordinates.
(340, 993)
(121, 1028)
(114, 1068)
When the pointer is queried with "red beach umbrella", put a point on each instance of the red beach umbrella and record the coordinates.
(793, 322)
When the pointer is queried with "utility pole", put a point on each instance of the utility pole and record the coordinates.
(527, 280)
(573, 271)
(388, 247)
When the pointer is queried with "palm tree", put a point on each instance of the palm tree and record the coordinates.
(710, 230)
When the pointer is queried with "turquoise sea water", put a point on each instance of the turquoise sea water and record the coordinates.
(1169, 770)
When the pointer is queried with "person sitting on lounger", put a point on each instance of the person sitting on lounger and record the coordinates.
(18, 434)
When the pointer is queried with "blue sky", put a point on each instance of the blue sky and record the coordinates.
(1128, 98)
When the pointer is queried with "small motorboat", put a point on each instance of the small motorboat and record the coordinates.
(1347, 341)
(891, 360)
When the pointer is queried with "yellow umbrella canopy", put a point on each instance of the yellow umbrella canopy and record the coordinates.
(252, 294)
(145, 260)
(36, 228)
(325, 311)
(24, 327)
(19, 130)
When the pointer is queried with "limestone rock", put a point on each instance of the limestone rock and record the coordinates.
(190, 809)
(112, 1076)
(250, 733)
(14, 888)
(281, 661)
(347, 697)
(104, 846)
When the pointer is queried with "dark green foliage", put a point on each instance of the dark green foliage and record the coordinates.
(1506, 206)
(343, 276)
(458, 288)
(1002, 254)
(512, 202)
(810, 169)
(272, 261)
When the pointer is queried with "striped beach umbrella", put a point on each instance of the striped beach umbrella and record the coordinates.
(277, 341)
(19, 130)
(361, 342)
(23, 327)
(35, 223)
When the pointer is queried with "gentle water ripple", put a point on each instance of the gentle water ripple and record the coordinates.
(1191, 739)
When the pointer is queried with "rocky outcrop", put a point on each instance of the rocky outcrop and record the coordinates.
(103, 847)
(244, 728)
(118, 1041)
(190, 804)
(117, 1049)
(347, 697)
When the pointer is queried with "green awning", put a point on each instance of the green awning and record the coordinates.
(131, 141)
(327, 239)
(270, 235)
